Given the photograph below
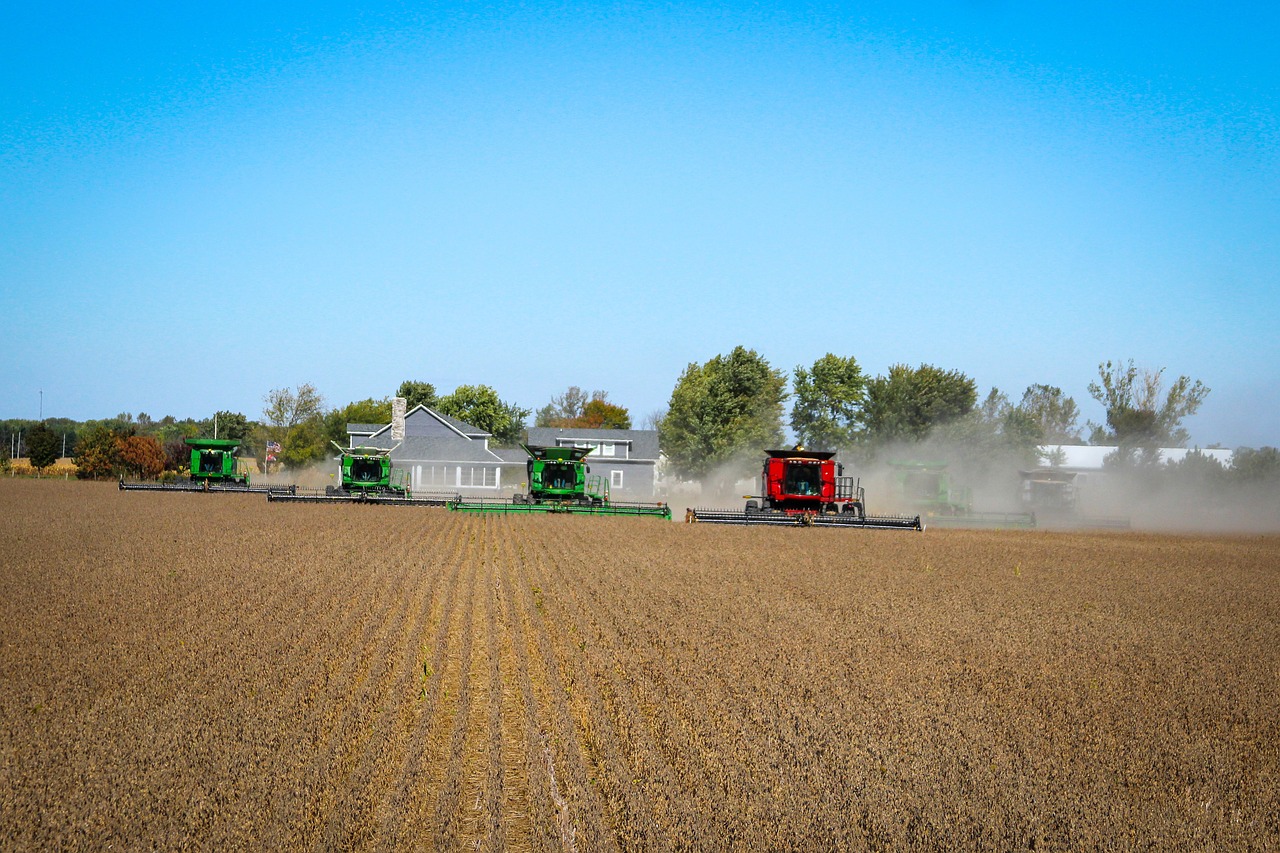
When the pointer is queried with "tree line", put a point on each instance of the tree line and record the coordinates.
(723, 412)
(720, 416)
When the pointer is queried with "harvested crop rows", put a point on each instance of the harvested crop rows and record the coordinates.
(215, 671)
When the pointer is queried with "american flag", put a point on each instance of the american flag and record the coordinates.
(272, 449)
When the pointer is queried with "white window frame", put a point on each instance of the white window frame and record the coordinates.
(615, 479)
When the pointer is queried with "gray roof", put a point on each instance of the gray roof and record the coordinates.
(511, 455)
(460, 426)
(436, 448)
(644, 442)
(363, 429)
(450, 425)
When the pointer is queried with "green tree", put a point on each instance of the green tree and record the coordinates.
(43, 446)
(480, 406)
(295, 420)
(827, 412)
(230, 425)
(727, 411)
(368, 411)
(1141, 415)
(911, 401)
(1249, 466)
(1053, 412)
(416, 394)
(995, 434)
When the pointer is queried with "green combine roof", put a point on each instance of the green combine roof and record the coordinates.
(557, 454)
(214, 443)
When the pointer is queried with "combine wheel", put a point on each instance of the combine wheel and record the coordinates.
(753, 506)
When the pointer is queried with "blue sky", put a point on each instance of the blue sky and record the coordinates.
(198, 206)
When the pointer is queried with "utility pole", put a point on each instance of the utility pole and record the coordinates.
(42, 404)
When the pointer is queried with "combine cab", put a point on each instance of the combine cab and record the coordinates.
(927, 488)
(366, 476)
(805, 488)
(214, 468)
(560, 481)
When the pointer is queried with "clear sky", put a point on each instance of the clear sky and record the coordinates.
(199, 204)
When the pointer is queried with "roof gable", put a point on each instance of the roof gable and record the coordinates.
(421, 422)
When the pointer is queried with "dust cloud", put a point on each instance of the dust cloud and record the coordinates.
(964, 485)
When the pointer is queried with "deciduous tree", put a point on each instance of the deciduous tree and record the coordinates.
(601, 414)
(1053, 412)
(1141, 415)
(480, 406)
(368, 411)
(97, 452)
(43, 446)
(829, 398)
(141, 455)
(417, 394)
(228, 425)
(910, 401)
(294, 419)
(727, 411)
(574, 408)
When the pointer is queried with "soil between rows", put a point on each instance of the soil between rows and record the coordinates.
(213, 671)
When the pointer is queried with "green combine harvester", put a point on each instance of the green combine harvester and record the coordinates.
(560, 482)
(215, 467)
(927, 488)
(366, 475)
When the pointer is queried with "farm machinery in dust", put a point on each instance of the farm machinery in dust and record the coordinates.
(927, 488)
(365, 475)
(215, 467)
(560, 481)
(805, 488)
(1053, 494)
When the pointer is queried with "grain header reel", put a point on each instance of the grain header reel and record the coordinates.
(805, 488)
(560, 482)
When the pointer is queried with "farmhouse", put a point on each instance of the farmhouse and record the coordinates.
(439, 452)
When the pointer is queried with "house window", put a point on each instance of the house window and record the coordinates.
(606, 448)
(615, 479)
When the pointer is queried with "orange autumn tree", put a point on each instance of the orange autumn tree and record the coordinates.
(574, 409)
(141, 455)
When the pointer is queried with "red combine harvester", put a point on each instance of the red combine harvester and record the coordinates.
(805, 488)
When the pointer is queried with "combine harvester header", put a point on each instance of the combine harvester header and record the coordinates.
(365, 476)
(214, 468)
(560, 482)
(805, 488)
